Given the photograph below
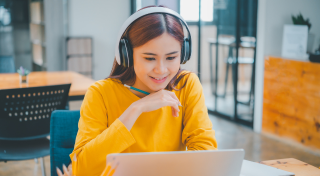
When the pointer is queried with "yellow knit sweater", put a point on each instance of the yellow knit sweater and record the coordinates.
(101, 132)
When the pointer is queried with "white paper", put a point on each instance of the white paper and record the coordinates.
(294, 41)
(250, 168)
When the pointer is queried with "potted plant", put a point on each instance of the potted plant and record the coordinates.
(23, 74)
(299, 20)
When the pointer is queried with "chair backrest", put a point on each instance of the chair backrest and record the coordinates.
(63, 132)
(7, 64)
(25, 112)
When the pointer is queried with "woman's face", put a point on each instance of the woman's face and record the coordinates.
(156, 62)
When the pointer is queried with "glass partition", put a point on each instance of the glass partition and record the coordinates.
(223, 52)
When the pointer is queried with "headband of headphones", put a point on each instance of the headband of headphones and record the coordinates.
(142, 13)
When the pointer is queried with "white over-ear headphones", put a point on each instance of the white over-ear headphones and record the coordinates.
(123, 49)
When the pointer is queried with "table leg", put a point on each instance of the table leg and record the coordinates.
(211, 69)
(216, 78)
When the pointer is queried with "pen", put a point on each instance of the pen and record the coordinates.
(141, 91)
(133, 88)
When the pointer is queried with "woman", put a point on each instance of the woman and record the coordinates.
(115, 119)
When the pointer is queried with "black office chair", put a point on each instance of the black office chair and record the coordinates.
(25, 121)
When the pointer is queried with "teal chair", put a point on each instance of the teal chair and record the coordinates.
(63, 132)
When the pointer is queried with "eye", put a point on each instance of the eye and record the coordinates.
(170, 58)
(150, 58)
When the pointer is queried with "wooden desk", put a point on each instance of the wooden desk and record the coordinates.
(291, 100)
(295, 166)
(79, 83)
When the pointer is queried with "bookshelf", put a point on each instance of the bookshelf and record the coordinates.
(79, 56)
(37, 35)
(48, 27)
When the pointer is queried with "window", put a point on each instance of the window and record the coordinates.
(189, 10)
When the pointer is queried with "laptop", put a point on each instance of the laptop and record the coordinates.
(184, 163)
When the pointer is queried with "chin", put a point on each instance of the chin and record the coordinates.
(156, 87)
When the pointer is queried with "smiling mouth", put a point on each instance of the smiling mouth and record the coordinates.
(159, 79)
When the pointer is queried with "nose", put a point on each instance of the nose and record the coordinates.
(160, 68)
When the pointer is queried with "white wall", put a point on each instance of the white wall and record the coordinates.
(54, 35)
(279, 12)
(272, 15)
(102, 20)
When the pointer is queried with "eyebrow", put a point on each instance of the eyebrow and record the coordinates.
(155, 54)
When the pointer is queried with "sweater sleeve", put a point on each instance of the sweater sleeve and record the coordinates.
(197, 133)
(95, 139)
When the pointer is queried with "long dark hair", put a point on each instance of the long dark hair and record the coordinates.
(140, 32)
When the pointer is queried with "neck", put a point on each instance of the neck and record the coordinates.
(139, 85)
(138, 94)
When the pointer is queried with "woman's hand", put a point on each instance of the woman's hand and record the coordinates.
(108, 171)
(67, 171)
(149, 103)
(158, 100)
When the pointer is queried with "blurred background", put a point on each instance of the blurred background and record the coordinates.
(258, 99)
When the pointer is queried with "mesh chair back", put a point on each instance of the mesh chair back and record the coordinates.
(25, 113)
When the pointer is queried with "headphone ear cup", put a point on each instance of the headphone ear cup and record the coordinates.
(182, 52)
(130, 53)
(126, 53)
(123, 53)
(186, 51)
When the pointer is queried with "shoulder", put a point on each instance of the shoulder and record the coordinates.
(190, 80)
(190, 88)
(105, 84)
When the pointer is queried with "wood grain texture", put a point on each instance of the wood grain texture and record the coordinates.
(295, 166)
(79, 83)
(291, 100)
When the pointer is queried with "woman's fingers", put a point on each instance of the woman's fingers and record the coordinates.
(158, 100)
(70, 169)
(174, 112)
(174, 105)
(173, 95)
(59, 172)
(65, 170)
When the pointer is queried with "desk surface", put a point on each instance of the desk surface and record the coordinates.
(79, 83)
(295, 166)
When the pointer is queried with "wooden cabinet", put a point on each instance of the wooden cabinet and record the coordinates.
(291, 100)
